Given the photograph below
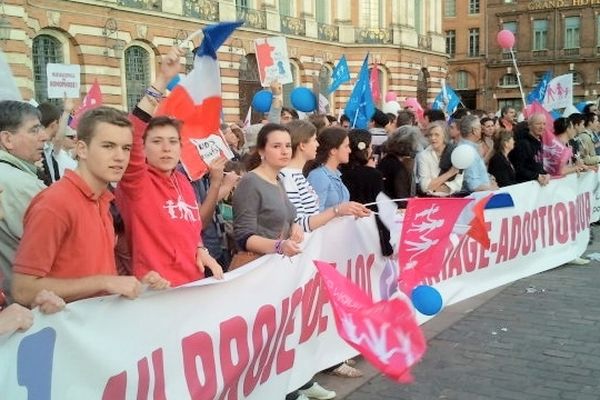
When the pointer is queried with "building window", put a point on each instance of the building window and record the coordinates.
(598, 31)
(371, 13)
(137, 74)
(285, 7)
(577, 78)
(46, 49)
(473, 6)
(517, 103)
(540, 34)
(324, 83)
(537, 77)
(572, 32)
(287, 88)
(450, 8)
(509, 80)
(423, 87)
(321, 11)
(419, 16)
(241, 3)
(598, 75)
(451, 43)
(462, 80)
(474, 42)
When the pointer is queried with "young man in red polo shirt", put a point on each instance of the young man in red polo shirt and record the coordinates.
(68, 241)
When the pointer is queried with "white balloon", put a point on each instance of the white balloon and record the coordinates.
(391, 107)
(463, 156)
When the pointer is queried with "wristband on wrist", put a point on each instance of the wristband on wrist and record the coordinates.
(278, 246)
(153, 93)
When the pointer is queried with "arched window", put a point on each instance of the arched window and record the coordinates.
(249, 83)
(423, 87)
(324, 83)
(137, 74)
(287, 88)
(509, 80)
(45, 49)
(577, 78)
(462, 80)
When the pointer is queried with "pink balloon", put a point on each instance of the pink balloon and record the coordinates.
(391, 96)
(506, 39)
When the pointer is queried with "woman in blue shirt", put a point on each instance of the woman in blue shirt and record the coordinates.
(333, 150)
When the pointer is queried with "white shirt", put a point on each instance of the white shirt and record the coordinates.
(428, 168)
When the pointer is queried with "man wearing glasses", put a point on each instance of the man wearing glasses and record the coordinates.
(22, 139)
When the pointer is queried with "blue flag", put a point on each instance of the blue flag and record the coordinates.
(340, 74)
(446, 100)
(539, 91)
(360, 107)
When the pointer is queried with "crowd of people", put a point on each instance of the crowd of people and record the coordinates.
(107, 208)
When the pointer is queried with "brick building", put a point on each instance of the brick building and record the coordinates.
(118, 43)
(466, 32)
(562, 36)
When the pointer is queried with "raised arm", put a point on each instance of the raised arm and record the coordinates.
(132, 181)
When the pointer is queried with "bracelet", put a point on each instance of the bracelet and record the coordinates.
(279, 246)
(203, 248)
(154, 94)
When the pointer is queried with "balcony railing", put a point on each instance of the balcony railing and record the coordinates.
(207, 10)
(253, 18)
(373, 35)
(154, 5)
(425, 42)
(293, 25)
(331, 33)
(539, 53)
(570, 52)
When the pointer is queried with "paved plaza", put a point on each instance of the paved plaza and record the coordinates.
(538, 338)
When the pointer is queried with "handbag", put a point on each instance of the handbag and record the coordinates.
(242, 258)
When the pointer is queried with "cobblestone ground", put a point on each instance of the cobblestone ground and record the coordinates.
(538, 339)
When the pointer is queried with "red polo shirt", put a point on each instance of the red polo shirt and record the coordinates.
(67, 232)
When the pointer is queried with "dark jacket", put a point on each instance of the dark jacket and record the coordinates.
(501, 168)
(527, 157)
(364, 184)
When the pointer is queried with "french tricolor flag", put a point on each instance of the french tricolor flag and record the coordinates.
(197, 100)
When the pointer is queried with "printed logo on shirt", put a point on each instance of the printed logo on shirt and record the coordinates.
(181, 210)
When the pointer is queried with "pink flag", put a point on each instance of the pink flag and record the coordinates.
(426, 230)
(554, 153)
(386, 333)
(91, 100)
(374, 81)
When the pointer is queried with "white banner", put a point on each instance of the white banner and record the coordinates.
(268, 327)
(63, 80)
(559, 93)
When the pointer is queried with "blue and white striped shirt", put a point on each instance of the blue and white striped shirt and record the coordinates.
(301, 195)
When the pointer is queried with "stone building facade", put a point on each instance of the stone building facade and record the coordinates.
(118, 43)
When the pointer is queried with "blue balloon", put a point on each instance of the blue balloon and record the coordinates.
(303, 99)
(555, 114)
(261, 102)
(427, 300)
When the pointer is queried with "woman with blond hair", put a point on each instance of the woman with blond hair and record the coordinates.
(432, 181)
